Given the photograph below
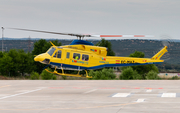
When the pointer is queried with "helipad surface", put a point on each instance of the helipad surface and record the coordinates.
(88, 96)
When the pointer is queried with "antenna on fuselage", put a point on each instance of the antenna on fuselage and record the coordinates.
(52, 43)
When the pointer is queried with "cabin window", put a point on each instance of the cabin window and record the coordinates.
(67, 55)
(51, 51)
(76, 56)
(57, 54)
(85, 57)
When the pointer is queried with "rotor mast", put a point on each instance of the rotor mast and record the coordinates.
(80, 37)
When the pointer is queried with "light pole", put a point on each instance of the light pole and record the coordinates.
(2, 37)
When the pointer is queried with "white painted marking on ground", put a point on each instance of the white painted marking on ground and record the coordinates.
(168, 95)
(19, 94)
(140, 100)
(149, 90)
(90, 91)
(121, 95)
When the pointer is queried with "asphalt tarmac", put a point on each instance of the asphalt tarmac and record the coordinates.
(89, 96)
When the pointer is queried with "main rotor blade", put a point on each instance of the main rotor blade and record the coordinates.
(87, 35)
(125, 36)
(70, 34)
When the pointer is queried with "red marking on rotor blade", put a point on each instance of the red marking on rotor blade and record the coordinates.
(110, 35)
(139, 36)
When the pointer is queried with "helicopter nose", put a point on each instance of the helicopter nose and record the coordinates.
(38, 58)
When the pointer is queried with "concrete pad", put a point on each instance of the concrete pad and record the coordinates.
(67, 96)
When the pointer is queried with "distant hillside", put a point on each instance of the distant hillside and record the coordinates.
(120, 47)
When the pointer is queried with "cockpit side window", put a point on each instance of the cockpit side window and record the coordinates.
(51, 51)
(57, 54)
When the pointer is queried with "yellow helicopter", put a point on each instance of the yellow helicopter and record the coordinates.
(83, 55)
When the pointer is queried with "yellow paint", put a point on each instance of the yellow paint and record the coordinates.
(95, 58)
(65, 74)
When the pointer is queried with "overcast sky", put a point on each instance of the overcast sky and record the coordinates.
(127, 17)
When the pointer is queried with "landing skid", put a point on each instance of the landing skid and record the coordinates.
(65, 74)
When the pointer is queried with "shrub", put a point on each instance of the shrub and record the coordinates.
(151, 75)
(136, 76)
(175, 78)
(48, 76)
(64, 77)
(34, 76)
(129, 74)
(104, 74)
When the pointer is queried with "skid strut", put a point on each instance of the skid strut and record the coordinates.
(65, 74)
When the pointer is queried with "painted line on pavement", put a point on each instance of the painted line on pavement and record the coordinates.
(90, 91)
(169, 95)
(121, 95)
(140, 100)
(19, 94)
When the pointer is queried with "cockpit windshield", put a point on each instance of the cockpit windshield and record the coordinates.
(51, 51)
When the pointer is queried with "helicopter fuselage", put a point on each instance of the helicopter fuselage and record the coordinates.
(87, 57)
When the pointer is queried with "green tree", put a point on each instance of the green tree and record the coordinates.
(1, 54)
(6, 64)
(107, 44)
(13, 53)
(25, 62)
(137, 54)
(104, 74)
(20, 62)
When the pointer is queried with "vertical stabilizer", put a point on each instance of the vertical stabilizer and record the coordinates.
(160, 54)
